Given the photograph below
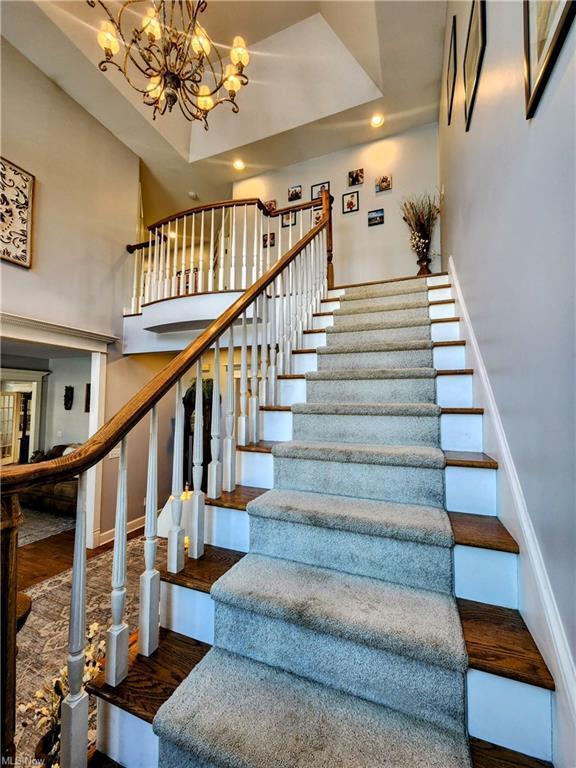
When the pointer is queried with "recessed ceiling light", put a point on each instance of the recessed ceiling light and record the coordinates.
(239, 164)
(377, 121)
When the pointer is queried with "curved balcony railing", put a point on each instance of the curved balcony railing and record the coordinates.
(222, 246)
(278, 300)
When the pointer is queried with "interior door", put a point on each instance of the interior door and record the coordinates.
(9, 427)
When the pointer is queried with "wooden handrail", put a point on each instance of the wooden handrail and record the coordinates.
(16, 478)
(232, 204)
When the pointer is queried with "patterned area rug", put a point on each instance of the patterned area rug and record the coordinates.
(40, 525)
(42, 643)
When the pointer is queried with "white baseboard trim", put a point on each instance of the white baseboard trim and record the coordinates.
(133, 525)
(549, 634)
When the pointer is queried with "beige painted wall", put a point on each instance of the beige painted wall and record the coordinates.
(508, 222)
(363, 253)
(85, 204)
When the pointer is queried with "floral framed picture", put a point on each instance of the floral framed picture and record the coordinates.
(355, 178)
(288, 219)
(16, 200)
(270, 205)
(474, 56)
(451, 72)
(376, 217)
(317, 189)
(350, 202)
(383, 184)
(546, 25)
(295, 193)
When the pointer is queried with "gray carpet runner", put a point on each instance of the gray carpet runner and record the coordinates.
(337, 638)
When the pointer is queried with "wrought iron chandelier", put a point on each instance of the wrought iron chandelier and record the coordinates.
(168, 57)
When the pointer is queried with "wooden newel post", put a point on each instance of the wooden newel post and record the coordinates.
(327, 201)
(10, 519)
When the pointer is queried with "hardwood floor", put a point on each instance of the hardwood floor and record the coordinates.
(48, 557)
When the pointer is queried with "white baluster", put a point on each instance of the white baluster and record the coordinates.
(261, 239)
(272, 372)
(153, 284)
(222, 252)
(201, 256)
(74, 733)
(167, 265)
(229, 447)
(264, 350)
(254, 405)
(176, 532)
(192, 246)
(232, 279)
(215, 466)
(269, 250)
(287, 351)
(118, 633)
(195, 523)
(134, 299)
(281, 358)
(211, 255)
(150, 579)
(146, 274)
(255, 252)
(161, 254)
(244, 275)
(279, 251)
(243, 417)
(174, 282)
(182, 286)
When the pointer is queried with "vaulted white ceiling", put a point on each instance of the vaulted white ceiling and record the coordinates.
(318, 71)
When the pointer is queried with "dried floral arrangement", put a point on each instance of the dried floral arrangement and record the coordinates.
(46, 709)
(420, 213)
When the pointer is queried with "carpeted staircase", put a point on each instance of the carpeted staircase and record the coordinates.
(337, 639)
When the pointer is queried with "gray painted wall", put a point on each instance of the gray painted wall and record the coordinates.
(509, 224)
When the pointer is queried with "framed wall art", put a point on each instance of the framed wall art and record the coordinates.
(16, 200)
(355, 178)
(473, 56)
(317, 189)
(383, 184)
(295, 193)
(288, 219)
(270, 205)
(350, 202)
(451, 72)
(269, 241)
(376, 217)
(546, 24)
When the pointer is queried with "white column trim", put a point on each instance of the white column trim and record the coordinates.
(44, 332)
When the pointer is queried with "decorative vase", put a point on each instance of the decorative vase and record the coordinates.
(423, 263)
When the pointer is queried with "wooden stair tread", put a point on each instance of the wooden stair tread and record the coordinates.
(304, 351)
(484, 531)
(322, 314)
(437, 302)
(455, 372)
(434, 320)
(316, 330)
(238, 498)
(275, 408)
(291, 376)
(264, 446)
(470, 459)
(23, 608)
(455, 343)
(390, 280)
(98, 759)
(151, 680)
(499, 642)
(487, 755)
(463, 411)
(200, 574)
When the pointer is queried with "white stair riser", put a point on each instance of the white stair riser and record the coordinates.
(438, 280)
(509, 713)
(125, 738)
(304, 363)
(291, 391)
(322, 322)
(226, 528)
(468, 489)
(486, 576)
(329, 306)
(444, 358)
(449, 358)
(437, 311)
(187, 611)
(254, 468)
(471, 489)
(439, 294)
(455, 391)
(334, 293)
(445, 331)
(458, 432)
(314, 340)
